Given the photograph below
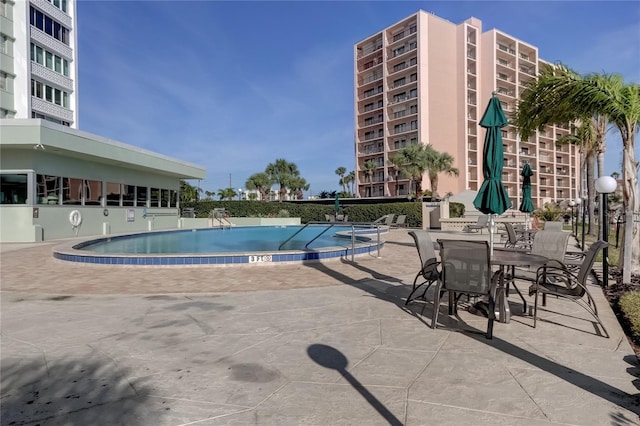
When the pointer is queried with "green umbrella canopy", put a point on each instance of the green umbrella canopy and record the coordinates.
(526, 206)
(336, 205)
(492, 197)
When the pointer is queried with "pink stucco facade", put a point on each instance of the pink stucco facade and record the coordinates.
(427, 80)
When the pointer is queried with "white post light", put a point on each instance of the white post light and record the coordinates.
(605, 185)
(572, 204)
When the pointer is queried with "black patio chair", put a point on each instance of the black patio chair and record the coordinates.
(556, 279)
(466, 269)
(429, 272)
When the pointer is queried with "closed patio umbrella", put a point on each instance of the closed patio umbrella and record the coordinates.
(492, 197)
(526, 205)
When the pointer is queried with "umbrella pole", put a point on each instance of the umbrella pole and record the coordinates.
(491, 225)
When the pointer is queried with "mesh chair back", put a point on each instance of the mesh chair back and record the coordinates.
(465, 266)
(550, 244)
(553, 226)
(426, 252)
(483, 220)
(589, 260)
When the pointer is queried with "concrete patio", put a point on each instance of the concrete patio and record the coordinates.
(318, 344)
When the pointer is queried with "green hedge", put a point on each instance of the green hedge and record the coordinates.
(311, 212)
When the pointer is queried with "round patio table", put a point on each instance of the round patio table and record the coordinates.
(511, 258)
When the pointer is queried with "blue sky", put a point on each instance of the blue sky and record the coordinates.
(234, 85)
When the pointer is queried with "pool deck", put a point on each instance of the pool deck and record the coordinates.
(315, 344)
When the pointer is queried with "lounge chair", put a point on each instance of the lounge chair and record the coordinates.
(466, 269)
(514, 241)
(429, 271)
(400, 221)
(387, 219)
(483, 223)
(557, 280)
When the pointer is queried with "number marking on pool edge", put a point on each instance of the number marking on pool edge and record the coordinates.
(260, 259)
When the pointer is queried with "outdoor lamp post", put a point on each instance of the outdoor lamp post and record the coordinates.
(239, 194)
(578, 202)
(605, 185)
(572, 204)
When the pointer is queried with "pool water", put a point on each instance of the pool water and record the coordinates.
(229, 240)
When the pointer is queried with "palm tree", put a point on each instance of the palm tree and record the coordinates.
(340, 171)
(188, 192)
(413, 161)
(281, 172)
(347, 181)
(227, 193)
(396, 162)
(439, 162)
(369, 167)
(260, 182)
(351, 178)
(562, 95)
(296, 187)
(584, 136)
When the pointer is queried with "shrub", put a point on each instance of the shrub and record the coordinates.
(456, 210)
(283, 213)
(550, 212)
(630, 306)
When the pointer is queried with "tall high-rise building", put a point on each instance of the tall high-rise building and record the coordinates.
(38, 60)
(425, 80)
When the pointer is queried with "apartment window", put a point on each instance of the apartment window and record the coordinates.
(4, 44)
(400, 66)
(413, 61)
(3, 80)
(414, 125)
(413, 77)
(52, 119)
(398, 36)
(60, 4)
(49, 60)
(50, 94)
(141, 196)
(413, 109)
(413, 45)
(3, 8)
(399, 82)
(413, 93)
(400, 97)
(399, 128)
(398, 51)
(48, 25)
(368, 107)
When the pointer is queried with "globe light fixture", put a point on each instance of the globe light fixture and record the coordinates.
(605, 185)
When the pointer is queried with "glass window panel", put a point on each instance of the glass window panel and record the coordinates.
(165, 198)
(64, 5)
(48, 25)
(49, 93)
(141, 196)
(48, 189)
(65, 67)
(39, 55)
(92, 192)
(65, 99)
(113, 194)
(33, 52)
(58, 64)
(58, 100)
(174, 198)
(13, 188)
(72, 191)
(48, 60)
(128, 195)
(155, 197)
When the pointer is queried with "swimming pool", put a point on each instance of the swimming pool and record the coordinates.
(216, 246)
